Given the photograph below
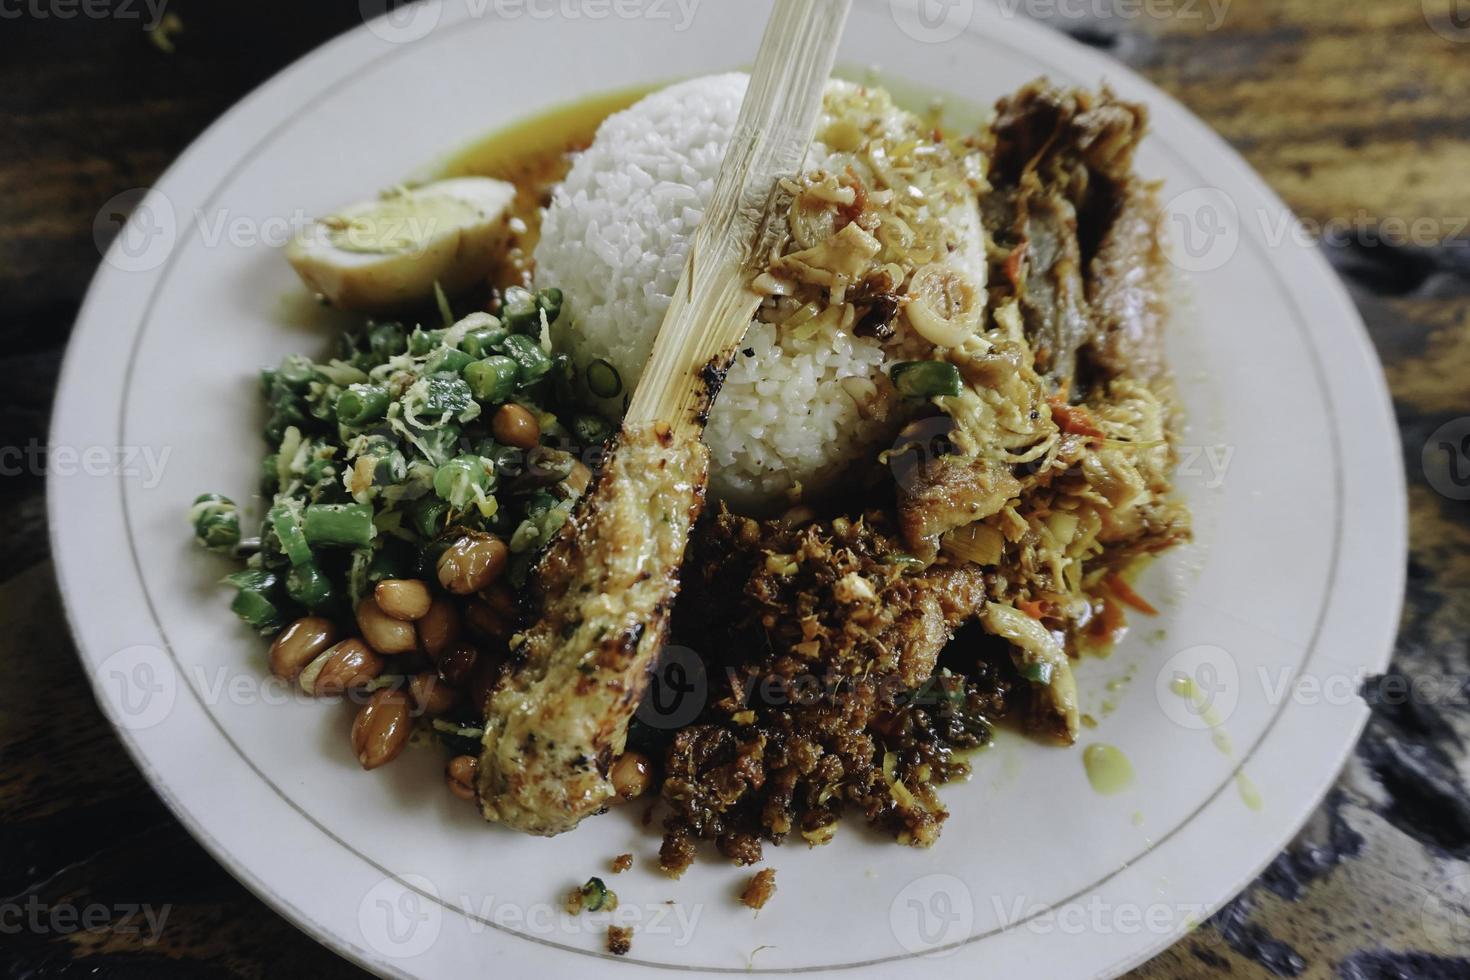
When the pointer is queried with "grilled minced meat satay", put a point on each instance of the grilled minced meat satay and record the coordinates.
(559, 716)
(605, 588)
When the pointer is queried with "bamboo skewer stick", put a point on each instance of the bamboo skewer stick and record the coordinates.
(743, 225)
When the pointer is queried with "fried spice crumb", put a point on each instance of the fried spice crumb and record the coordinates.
(676, 853)
(619, 940)
(592, 897)
(622, 863)
(760, 889)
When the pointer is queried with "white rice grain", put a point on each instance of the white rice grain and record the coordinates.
(614, 241)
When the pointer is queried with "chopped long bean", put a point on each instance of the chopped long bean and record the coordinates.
(521, 313)
(534, 362)
(308, 585)
(216, 522)
(464, 480)
(339, 525)
(481, 341)
(285, 523)
(361, 404)
(493, 380)
(450, 359)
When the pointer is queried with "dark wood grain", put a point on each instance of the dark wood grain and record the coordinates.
(1358, 114)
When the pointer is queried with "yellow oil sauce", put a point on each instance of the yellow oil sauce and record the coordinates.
(1108, 769)
(1184, 687)
(1115, 688)
(1249, 794)
(535, 154)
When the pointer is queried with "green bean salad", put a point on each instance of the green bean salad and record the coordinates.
(409, 484)
(380, 456)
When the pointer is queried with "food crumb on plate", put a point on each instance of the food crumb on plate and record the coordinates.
(760, 889)
(591, 897)
(619, 940)
(622, 863)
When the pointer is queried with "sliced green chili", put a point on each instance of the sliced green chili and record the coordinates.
(925, 379)
(591, 430)
(603, 380)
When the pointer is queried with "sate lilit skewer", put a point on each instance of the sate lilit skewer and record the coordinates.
(559, 716)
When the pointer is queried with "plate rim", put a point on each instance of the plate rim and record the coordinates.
(361, 34)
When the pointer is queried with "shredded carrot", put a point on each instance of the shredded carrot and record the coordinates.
(1035, 608)
(1013, 264)
(1120, 588)
(1073, 419)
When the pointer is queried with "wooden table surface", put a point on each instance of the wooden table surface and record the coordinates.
(1357, 113)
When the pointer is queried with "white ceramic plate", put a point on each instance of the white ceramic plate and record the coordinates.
(1290, 594)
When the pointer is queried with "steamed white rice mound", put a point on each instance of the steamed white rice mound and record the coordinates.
(794, 410)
